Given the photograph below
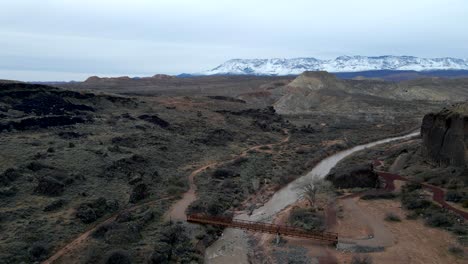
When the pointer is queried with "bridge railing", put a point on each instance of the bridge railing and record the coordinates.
(263, 227)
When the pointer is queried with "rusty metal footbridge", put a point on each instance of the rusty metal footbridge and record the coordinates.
(263, 227)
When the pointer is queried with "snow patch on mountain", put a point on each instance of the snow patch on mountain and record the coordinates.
(340, 64)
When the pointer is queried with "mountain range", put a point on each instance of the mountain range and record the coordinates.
(340, 64)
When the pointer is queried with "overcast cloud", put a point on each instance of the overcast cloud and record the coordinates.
(72, 39)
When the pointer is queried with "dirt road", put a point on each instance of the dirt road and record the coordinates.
(220, 251)
(177, 211)
(81, 239)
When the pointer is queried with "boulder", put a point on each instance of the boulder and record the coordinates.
(359, 176)
(445, 136)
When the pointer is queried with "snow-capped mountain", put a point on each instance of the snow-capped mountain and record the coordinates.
(340, 64)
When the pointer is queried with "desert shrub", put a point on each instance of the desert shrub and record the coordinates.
(215, 204)
(49, 186)
(465, 203)
(392, 217)
(102, 229)
(374, 196)
(173, 246)
(37, 166)
(177, 182)
(463, 240)
(9, 175)
(222, 173)
(91, 211)
(123, 234)
(126, 166)
(139, 193)
(456, 250)
(54, 205)
(118, 257)
(307, 219)
(361, 259)
(175, 191)
(86, 214)
(460, 229)
(38, 251)
(8, 191)
(454, 196)
(438, 181)
(411, 187)
(413, 201)
(239, 161)
(412, 216)
(440, 219)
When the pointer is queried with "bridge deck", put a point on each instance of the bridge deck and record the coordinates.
(263, 227)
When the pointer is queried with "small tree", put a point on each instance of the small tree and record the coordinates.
(317, 189)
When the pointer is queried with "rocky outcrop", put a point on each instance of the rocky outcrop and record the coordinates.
(163, 77)
(97, 79)
(445, 136)
(321, 91)
(359, 176)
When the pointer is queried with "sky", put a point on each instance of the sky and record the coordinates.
(62, 40)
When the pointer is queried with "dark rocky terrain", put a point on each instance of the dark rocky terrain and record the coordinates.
(445, 136)
(85, 156)
(357, 176)
(82, 157)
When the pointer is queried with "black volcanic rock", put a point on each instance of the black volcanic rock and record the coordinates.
(353, 177)
(49, 104)
(445, 136)
(154, 119)
(42, 122)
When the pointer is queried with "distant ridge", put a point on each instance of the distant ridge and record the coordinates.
(296, 66)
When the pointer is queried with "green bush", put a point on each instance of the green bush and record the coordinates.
(307, 219)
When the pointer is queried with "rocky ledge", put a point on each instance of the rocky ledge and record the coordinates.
(445, 136)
